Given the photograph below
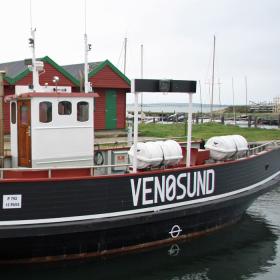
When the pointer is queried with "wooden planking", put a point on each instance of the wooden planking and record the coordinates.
(47, 77)
(121, 109)
(99, 115)
(107, 78)
(8, 90)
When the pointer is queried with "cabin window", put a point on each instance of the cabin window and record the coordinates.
(13, 113)
(82, 111)
(64, 108)
(24, 114)
(45, 112)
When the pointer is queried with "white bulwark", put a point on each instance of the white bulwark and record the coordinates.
(52, 129)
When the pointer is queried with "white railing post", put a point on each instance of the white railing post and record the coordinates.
(189, 139)
(135, 129)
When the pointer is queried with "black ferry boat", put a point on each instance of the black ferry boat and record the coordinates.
(61, 199)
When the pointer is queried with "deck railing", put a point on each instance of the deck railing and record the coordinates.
(79, 171)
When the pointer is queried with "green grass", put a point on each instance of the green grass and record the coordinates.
(207, 130)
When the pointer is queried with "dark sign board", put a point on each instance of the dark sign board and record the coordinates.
(147, 85)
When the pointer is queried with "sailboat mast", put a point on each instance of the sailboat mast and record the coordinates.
(213, 78)
(125, 46)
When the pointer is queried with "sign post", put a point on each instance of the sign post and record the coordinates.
(148, 85)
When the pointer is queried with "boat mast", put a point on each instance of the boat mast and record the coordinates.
(213, 77)
(87, 48)
(87, 85)
(35, 74)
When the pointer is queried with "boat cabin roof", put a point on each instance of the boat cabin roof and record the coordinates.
(30, 95)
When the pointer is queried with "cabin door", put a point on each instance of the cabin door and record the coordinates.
(111, 109)
(24, 133)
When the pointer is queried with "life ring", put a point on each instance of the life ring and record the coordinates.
(98, 158)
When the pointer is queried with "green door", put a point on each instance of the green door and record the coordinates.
(111, 109)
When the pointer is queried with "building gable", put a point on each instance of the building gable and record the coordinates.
(50, 69)
(106, 75)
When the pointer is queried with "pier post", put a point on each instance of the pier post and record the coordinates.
(249, 121)
(256, 121)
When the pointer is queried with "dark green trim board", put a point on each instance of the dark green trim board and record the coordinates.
(21, 75)
(114, 68)
(13, 80)
(110, 109)
(73, 79)
(61, 70)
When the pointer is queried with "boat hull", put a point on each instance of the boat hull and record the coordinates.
(74, 218)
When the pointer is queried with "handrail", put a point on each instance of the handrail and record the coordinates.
(251, 151)
(49, 170)
(262, 147)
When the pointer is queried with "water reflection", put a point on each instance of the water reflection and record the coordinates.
(237, 252)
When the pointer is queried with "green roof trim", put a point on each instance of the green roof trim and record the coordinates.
(48, 60)
(21, 75)
(61, 70)
(8, 79)
(114, 68)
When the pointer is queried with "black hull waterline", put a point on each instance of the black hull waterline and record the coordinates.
(53, 219)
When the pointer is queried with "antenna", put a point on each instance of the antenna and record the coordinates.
(85, 16)
(87, 49)
(124, 64)
(30, 13)
(35, 74)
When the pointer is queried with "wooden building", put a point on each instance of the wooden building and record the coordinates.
(112, 86)
(106, 79)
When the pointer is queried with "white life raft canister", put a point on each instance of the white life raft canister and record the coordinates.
(153, 154)
(225, 147)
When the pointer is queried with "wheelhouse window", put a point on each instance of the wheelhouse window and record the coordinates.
(13, 113)
(64, 108)
(82, 111)
(24, 114)
(45, 112)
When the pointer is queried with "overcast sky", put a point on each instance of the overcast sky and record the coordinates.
(177, 36)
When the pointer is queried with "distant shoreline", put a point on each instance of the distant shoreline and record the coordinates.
(175, 107)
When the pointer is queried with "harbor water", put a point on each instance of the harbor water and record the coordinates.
(175, 107)
(249, 249)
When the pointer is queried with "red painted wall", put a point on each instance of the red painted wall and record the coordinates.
(107, 78)
(100, 109)
(8, 90)
(99, 114)
(121, 109)
(47, 77)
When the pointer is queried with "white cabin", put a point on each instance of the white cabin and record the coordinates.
(52, 129)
